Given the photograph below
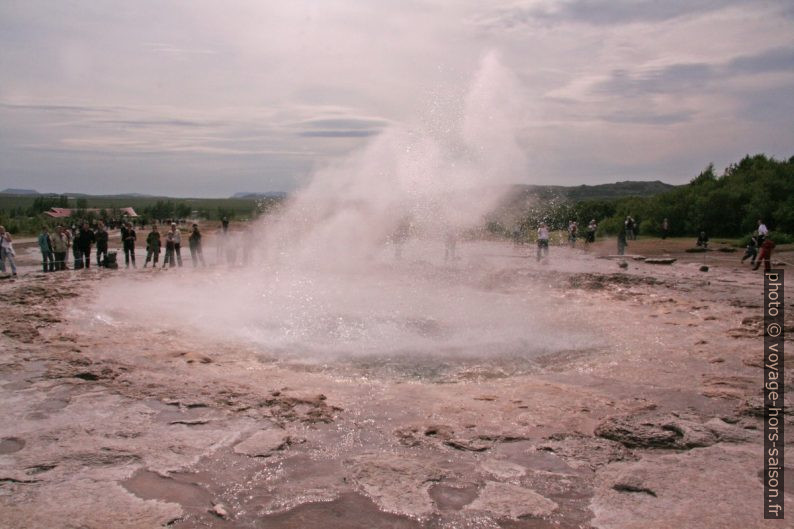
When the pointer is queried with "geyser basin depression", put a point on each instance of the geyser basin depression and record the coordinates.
(410, 315)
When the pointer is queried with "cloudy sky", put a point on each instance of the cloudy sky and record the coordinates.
(206, 98)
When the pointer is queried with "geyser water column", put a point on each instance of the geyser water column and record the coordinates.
(327, 287)
(444, 171)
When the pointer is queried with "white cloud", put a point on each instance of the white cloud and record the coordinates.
(248, 94)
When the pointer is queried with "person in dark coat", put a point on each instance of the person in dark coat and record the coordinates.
(751, 250)
(195, 246)
(101, 236)
(153, 247)
(128, 237)
(83, 242)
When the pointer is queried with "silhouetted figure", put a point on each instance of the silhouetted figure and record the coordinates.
(85, 238)
(153, 244)
(630, 226)
(573, 230)
(543, 240)
(128, 238)
(751, 250)
(591, 232)
(622, 241)
(194, 241)
(665, 228)
(101, 236)
(703, 240)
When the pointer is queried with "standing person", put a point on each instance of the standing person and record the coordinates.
(543, 240)
(101, 237)
(591, 231)
(152, 247)
(572, 232)
(128, 238)
(45, 245)
(85, 239)
(622, 236)
(665, 228)
(765, 255)
(751, 250)
(225, 224)
(177, 238)
(60, 247)
(194, 241)
(7, 252)
(77, 256)
(168, 260)
(629, 225)
(69, 234)
(762, 232)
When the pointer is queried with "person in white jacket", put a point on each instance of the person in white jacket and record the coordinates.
(7, 252)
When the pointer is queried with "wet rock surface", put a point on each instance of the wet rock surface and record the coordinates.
(645, 430)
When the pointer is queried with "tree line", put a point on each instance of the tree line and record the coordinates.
(726, 205)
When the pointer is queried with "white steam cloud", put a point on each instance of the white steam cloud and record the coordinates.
(326, 283)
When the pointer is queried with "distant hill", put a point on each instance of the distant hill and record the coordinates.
(11, 191)
(250, 195)
(521, 197)
(628, 188)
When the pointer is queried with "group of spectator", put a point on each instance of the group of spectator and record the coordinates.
(55, 246)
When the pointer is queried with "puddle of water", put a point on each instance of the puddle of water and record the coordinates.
(51, 405)
(9, 445)
(349, 511)
(453, 497)
(523, 453)
(149, 485)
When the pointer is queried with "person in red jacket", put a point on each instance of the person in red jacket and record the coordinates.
(765, 255)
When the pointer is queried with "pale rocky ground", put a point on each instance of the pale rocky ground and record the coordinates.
(656, 427)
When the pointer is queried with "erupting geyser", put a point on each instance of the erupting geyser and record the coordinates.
(326, 283)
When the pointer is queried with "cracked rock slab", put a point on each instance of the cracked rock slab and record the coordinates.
(396, 484)
(263, 443)
(679, 489)
(508, 501)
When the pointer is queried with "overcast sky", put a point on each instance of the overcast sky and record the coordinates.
(206, 98)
